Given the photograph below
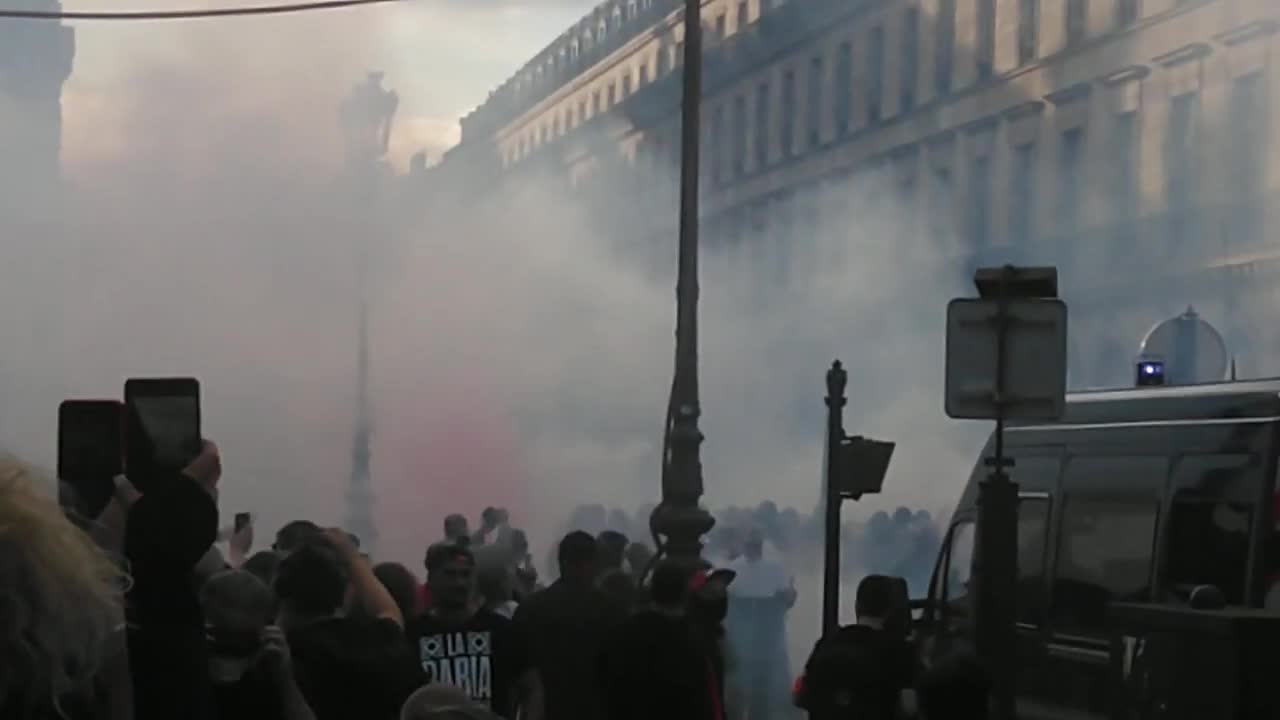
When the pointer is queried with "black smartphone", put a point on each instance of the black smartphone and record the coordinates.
(90, 453)
(242, 521)
(162, 427)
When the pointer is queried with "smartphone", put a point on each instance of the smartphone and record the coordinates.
(242, 521)
(162, 427)
(90, 453)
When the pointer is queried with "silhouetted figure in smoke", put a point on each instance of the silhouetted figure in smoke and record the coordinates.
(639, 556)
(660, 664)
(456, 530)
(611, 577)
(759, 599)
(863, 670)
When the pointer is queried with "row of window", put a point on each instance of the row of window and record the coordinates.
(908, 47)
(1022, 163)
(1106, 552)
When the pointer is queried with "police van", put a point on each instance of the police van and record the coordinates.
(1134, 495)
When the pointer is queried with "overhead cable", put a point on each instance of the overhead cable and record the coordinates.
(193, 14)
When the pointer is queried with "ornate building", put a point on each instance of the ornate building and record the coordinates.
(1137, 136)
(35, 60)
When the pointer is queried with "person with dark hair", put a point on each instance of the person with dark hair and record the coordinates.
(263, 564)
(565, 625)
(461, 643)
(348, 664)
(659, 663)
(611, 578)
(293, 534)
(402, 586)
(456, 529)
(956, 688)
(862, 670)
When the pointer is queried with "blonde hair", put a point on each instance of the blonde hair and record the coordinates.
(61, 606)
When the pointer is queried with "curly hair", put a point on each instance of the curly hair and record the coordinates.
(62, 607)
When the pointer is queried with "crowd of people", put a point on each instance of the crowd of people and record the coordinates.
(903, 543)
(136, 615)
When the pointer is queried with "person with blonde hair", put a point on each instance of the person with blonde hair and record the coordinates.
(61, 610)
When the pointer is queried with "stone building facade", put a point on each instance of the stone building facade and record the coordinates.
(1136, 136)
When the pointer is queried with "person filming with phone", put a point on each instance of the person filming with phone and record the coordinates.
(249, 660)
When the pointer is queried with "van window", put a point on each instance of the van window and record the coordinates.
(960, 570)
(1033, 532)
(1209, 545)
(1104, 554)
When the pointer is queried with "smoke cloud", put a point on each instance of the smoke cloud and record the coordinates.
(519, 356)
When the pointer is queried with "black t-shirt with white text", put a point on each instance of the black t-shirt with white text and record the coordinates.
(483, 656)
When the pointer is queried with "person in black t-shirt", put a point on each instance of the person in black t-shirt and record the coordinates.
(861, 670)
(566, 625)
(348, 665)
(459, 643)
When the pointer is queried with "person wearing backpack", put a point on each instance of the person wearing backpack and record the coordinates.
(863, 671)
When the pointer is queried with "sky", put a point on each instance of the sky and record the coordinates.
(443, 57)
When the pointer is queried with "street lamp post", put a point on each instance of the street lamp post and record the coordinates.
(680, 520)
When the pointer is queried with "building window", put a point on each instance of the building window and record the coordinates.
(601, 31)
(875, 75)
(1249, 117)
(1028, 30)
(644, 74)
(980, 203)
(1022, 193)
(595, 103)
(1180, 150)
(617, 17)
(762, 125)
(717, 135)
(612, 95)
(814, 112)
(787, 132)
(1033, 536)
(722, 27)
(1077, 21)
(986, 59)
(1125, 156)
(740, 135)
(573, 49)
(945, 49)
(1209, 545)
(677, 54)
(626, 85)
(910, 52)
(1126, 12)
(744, 17)
(1072, 181)
(573, 115)
(842, 91)
(1104, 555)
(633, 9)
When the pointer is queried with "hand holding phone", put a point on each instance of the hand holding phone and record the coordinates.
(162, 428)
(90, 434)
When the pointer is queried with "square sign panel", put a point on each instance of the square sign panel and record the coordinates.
(1035, 367)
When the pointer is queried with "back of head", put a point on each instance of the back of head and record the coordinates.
(875, 597)
(401, 584)
(264, 565)
(669, 585)
(237, 598)
(313, 579)
(294, 534)
(612, 549)
(438, 701)
(955, 687)
(62, 601)
(577, 555)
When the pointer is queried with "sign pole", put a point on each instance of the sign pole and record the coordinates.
(995, 555)
(837, 379)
